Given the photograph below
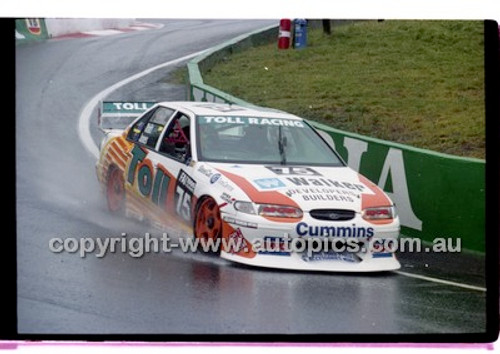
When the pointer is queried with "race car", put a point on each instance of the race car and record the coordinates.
(264, 179)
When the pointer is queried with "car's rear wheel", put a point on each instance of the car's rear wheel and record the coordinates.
(115, 191)
(208, 223)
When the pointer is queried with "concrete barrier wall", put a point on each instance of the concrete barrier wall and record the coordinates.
(437, 195)
(59, 26)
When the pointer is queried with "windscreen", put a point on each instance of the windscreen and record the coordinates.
(258, 140)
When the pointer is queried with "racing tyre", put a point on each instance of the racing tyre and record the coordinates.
(115, 191)
(208, 224)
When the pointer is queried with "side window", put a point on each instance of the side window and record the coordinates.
(148, 129)
(176, 141)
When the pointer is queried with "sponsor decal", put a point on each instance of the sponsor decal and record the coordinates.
(328, 256)
(269, 183)
(131, 106)
(205, 171)
(274, 246)
(252, 121)
(150, 182)
(238, 242)
(299, 171)
(33, 25)
(215, 178)
(328, 182)
(143, 139)
(227, 198)
(238, 222)
(324, 194)
(304, 229)
(382, 255)
(149, 128)
(334, 216)
(184, 195)
(225, 184)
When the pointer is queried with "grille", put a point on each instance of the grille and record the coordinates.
(332, 214)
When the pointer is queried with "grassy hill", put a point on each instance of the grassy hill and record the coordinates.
(419, 83)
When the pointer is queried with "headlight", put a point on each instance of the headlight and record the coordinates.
(279, 211)
(379, 213)
(245, 207)
(270, 210)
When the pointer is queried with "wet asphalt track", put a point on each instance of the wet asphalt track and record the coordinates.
(58, 196)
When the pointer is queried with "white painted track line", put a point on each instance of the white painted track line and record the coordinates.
(441, 281)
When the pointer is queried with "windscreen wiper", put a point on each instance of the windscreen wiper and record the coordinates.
(282, 145)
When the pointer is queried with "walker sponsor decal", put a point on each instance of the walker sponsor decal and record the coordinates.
(268, 183)
(328, 182)
(251, 121)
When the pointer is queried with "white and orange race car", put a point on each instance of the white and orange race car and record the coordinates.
(264, 178)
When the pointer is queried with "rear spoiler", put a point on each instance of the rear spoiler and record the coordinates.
(115, 115)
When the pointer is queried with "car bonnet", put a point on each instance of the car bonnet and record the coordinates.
(305, 187)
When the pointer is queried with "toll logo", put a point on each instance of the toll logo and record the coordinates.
(131, 106)
(150, 183)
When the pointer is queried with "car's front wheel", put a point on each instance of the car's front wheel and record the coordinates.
(208, 224)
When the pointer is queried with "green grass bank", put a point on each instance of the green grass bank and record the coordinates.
(419, 83)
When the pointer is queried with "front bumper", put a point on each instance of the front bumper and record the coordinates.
(261, 229)
(296, 262)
